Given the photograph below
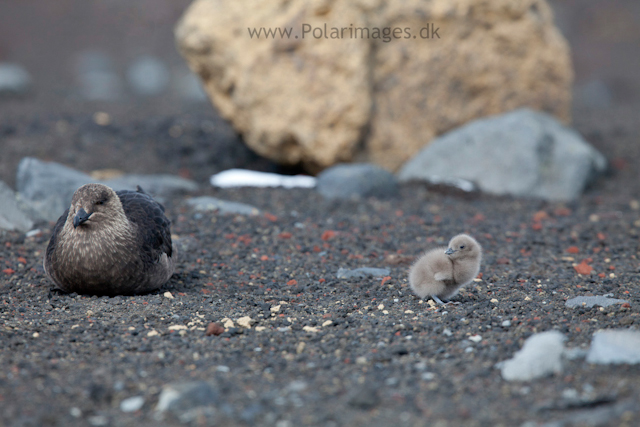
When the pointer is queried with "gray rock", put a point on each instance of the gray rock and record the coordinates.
(206, 203)
(48, 187)
(344, 273)
(615, 346)
(365, 397)
(601, 300)
(148, 76)
(14, 80)
(594, 94)
(12, 217)
(160, 184)
(540, 355)
(97, 77)
(356, 180)
(98, 420)
(132, 404)
(601, 413)
(183, 397)
(188, 87)
(523, 153)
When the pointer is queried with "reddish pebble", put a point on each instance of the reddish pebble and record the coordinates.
(601, 236)
(573, 249)
(536, 226)
(264, 258)
(539, 216)
(22, 260)
(626, 305)
(8, 271)
(285, 235)
(329, 234)
(271, 217)
(214, 329)
(583, 268)
(502, 261)
(292, 282)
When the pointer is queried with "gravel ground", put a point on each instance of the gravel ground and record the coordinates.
(324, 351)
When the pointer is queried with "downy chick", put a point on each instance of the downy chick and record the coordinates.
(441, 272)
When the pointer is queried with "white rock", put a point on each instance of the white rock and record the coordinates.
(247, 178)
(246, 322)
(475, 338)
(98, 420)
(540, 355)
(615, 346)
(132, 404)
(428, 376)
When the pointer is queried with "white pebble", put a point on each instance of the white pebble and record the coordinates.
(132, 404)
(475, 338)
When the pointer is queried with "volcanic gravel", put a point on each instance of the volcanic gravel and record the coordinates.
(331, 352)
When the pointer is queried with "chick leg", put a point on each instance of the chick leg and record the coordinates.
(438, 300)
(445, 302)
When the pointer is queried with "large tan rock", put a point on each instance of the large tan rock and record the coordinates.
(320, 101)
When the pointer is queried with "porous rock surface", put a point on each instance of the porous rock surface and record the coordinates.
(319, 96)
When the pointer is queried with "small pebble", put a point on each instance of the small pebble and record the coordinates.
(132, 404)
(214, 329)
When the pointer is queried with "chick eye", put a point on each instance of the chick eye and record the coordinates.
(462, 247)
(100, 202)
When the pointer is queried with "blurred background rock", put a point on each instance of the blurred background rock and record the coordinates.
(118, 58)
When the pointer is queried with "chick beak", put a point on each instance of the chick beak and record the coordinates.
(449, 251)
(81, 217)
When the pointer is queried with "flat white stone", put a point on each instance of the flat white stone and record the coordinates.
(247, 178)
(601, 300)
(615, 346)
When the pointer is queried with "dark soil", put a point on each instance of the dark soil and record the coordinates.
(385, 358)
